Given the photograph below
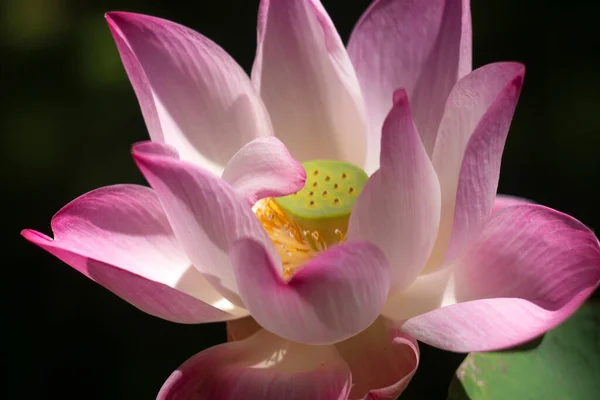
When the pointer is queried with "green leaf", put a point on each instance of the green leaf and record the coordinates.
(564, 366)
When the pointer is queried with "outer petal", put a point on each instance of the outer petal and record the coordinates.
(206, 213)
(422, 46)
(307, 82)
(399, 208)
(264, 168)
(263, 366)
(382, 359)
(119, 237)
(193, 95)
(468, 151)
(502, 201)
(530, 269)
(334, 296)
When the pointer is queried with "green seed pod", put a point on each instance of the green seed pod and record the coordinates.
(325, 203)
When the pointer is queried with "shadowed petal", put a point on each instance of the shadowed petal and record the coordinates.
(382, 359)
(422, 46)
(399, 208)
(426, 293)
(264, 367)
(307, 82)
(193, 95)
(334, 296)
(529, 270)
(241, 328)
(119, 237)
(264, 168)
(206, 213)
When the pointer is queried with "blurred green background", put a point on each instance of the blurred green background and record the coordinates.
(69, 117)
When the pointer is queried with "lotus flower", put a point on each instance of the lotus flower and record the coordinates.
(345, 198)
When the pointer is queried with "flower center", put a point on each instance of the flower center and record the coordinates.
(314, 218)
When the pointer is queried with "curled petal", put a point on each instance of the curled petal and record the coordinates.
(422, 46)
(206, 213)
(382, 358)
(399, 208)
(264, 367)
(264, 168)
(193, 95)
(334, 296)
(307, 82)
(468, 152)
(119, 237)
(530, 269)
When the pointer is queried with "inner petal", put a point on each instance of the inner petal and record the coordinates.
(314, 218)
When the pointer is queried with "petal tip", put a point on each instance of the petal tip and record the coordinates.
(147, 149)
(520, 66)
(115, 18)
(517, 82)
(301, 175)
(400, 97)
(34, 236)
(112, 24)
(119, 16)
(517, 68)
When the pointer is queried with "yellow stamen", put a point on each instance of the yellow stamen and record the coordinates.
(294, 245)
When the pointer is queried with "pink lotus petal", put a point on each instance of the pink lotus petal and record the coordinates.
(399, 208)
(307, 82)
(119, 237)
(502, 201)
(206, 213)
(334, 296)
(529, 270)
(382, 359)
(422, 46)
(193, 95)
(468, 151)
(263, 367)
(264, 168)
(426, 293)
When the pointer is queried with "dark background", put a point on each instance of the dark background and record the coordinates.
(69, 117)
